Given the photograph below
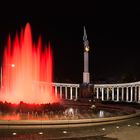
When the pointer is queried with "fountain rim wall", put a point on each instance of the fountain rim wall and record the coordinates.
(64, 123)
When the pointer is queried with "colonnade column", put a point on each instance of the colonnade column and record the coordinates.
(97, 93)
(127, 94)
(70, 93)
(112, 93)
(131, 94)
(66, 95)
(139, 95)
(117, 93)
(122, 94)
(55, 91)
(107, 93)
(76, 93)
(60, 92)
(135, 92)
(102, 94)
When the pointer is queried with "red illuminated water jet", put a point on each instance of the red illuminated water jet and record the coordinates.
(27, 70)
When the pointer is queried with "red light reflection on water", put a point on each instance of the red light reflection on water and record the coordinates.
(22, 117)
(25, 62)
(10, 117)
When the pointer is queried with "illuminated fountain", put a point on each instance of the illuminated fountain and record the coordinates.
(25, 64)
(26, 90)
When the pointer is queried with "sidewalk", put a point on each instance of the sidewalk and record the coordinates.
(132, 133)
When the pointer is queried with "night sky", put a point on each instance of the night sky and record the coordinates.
(113, 31)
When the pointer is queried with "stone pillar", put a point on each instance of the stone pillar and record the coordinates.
(97, 93)
(76, 93)
(66, 94)
(102, 94)
(70, 93)
(86, 75)
(139, 95)
(122, 93)
(107, 93)
(60, 92)
(55, 91)
(112, 93)
(117, 94)
(127, 92)
(135, 93)
(131, 100)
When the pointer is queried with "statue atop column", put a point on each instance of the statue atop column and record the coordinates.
(86, 75)
(86, 89)
(86, 44)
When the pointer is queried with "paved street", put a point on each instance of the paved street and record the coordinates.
(127, 130)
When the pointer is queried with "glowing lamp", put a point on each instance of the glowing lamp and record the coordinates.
(12, 65)
(87, 48)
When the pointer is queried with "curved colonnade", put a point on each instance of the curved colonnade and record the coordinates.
(123, 92)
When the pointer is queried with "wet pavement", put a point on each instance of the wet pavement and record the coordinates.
(126, 130)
